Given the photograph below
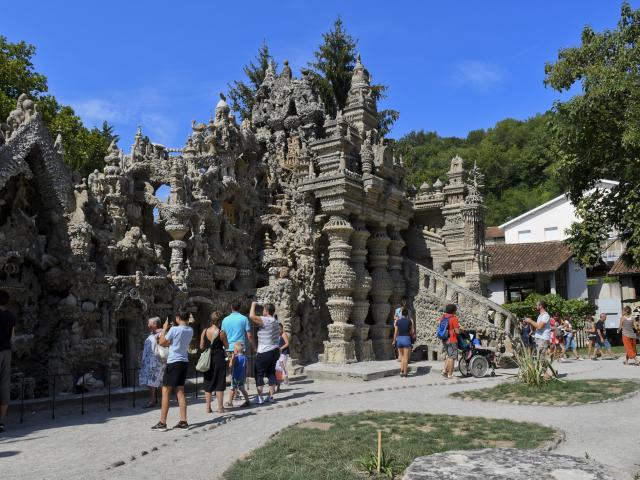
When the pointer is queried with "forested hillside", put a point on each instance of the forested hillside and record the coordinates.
(515, 156)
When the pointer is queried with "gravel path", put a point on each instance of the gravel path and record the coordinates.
(121, 445)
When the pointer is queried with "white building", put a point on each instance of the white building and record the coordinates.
(534, 258)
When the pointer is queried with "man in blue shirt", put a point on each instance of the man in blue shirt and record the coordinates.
(237, 328)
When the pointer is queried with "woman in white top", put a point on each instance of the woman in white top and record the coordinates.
(268, 348)
(151, 366)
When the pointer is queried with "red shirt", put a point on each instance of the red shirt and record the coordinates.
(453, 324)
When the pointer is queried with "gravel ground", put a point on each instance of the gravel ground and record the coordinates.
(121, 445)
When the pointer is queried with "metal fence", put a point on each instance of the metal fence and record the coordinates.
(53, 379)
(82, 396)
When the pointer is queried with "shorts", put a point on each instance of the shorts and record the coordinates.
(452, 350)
(5, 376)
(175, 374)
(266, 366)
(603, 343)
(541, 348)
(403, 342)
(237, 383)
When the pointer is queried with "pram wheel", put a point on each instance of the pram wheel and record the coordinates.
(463, 367)
(479, 366)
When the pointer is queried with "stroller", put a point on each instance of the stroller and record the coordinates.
(475, 359)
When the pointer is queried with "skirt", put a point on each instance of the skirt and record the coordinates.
(629, 346)
(215, 379)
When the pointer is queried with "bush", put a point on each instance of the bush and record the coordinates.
(575, 308)
(531, 370)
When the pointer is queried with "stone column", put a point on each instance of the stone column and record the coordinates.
(395, 271)
(381, 289)
(364, 349)
(339, 280)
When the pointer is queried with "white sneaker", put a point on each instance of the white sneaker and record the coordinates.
(258, 400)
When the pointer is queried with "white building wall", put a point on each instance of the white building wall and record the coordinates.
(547, 224)
(576, 280)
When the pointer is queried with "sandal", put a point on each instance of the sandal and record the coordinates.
(228, 404)
(221, 411)
(246, 403)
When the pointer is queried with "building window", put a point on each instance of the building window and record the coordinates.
(517, 289)
(551, 234)
(524, 236)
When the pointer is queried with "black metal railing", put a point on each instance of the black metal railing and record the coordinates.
(52, 382)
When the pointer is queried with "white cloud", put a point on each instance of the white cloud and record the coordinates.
(96, 110)
(478, 74)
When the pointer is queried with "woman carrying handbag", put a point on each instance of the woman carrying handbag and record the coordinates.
(215, 377)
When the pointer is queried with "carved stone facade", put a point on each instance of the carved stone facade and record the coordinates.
(309, 212)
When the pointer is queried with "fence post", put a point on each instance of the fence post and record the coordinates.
(22, 401)
(109, 390)
(82, 401)
(53, 399)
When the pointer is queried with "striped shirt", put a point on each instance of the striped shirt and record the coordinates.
(268, 335)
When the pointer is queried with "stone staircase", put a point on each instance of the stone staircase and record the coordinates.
(496, 325)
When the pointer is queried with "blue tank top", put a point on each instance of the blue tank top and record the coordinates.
(404, 327)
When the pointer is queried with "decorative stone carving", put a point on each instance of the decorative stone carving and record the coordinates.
(381, 290)
(362, 286)
(339, 282)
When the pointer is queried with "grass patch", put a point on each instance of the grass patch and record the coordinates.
(569, 391)
(312, 451)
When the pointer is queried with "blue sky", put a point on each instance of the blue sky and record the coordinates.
(451, 66)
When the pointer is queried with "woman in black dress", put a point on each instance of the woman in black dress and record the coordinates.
(215, 379)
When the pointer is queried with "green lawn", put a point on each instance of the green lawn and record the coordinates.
(570, 391)
(331, 447)
(619, 350)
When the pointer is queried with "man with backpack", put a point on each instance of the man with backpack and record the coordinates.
(448, 330)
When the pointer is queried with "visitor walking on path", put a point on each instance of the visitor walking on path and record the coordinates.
(570, 344)
(402, 334)
(268, 349)
(175, 374)
(237, 329)
(543, 332)
(238, 367)
(590, 328)
(7, 332)
(215, 379)
(152, 364)
(451, 342)
(281, 366)
(602, 341)
(629, 328)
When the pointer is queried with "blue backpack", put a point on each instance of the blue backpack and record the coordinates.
(443, 328)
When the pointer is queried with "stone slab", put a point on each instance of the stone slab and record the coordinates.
(364, 371)
(506, 464)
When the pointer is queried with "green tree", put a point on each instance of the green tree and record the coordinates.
(242, 94)
(597, 134)
(576, 308)
(331, 73)
(84, 149)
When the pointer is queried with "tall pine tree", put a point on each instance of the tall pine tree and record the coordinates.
(242, 94)
(332, 70)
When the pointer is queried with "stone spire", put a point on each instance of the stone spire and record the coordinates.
(286, 71)
(222, 111)
(361, 110)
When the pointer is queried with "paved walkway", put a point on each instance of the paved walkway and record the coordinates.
(66, 448)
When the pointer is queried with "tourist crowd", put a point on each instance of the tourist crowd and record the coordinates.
(226, 344)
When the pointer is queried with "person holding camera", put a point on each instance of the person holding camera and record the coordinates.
(177, 338)
(268, 348)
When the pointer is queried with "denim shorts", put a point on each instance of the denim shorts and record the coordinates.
(403, 342)
(237, 383)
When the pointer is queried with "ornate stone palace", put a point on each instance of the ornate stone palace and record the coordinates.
(309, 212)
